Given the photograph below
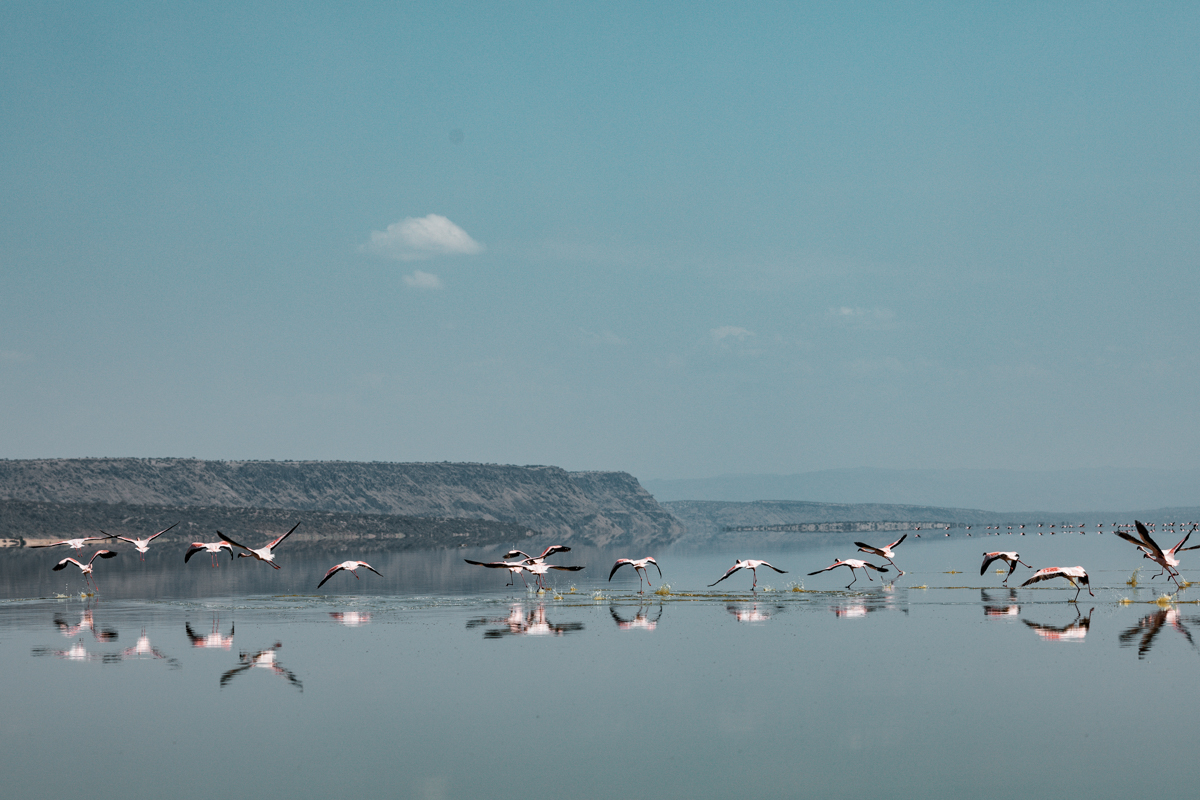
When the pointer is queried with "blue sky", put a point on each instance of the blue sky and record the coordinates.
(679, 240)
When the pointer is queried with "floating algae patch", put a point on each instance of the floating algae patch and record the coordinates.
(663, 590)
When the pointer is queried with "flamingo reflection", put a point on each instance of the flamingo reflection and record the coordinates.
(213, 640)
(262, 659)
(997, 604)
(77, 652)
(744, 613)
(641, 619)
(351, 619)
(144, 648)
(86, 623)
(520, 622)
(1149, 626)
(1073, 632)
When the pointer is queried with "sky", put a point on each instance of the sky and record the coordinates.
(679, 240)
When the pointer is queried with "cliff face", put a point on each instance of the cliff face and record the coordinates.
(599, 508)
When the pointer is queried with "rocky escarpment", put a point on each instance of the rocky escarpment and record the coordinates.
(598, 508)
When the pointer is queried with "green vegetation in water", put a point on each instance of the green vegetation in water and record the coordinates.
(663, 590)
(1133, 579)
(954, 572)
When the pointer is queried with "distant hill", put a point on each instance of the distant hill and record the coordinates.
(1052, 491)
(597, 508)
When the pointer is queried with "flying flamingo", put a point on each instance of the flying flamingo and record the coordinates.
(514, 568)
(884, 552)
(352, 566)
(1011, 558)
(142, 545)
(208, 547)
(85, 568)
(750, 564)
(75, 544)
(539, 568)
(263, 553)
(639, 566)
(1072, 574)
(549, 551)
(853, 564)
(1150, 549)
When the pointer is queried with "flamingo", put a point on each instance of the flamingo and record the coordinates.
(352, 566)
(886, 551)
(208, 547)
(85, 568)
(142, 545)
(853, 564)
(1150, 549)
(1011, 558)
(514, 568)
(540, 568)
(639, 566)
(263, 553)
(750, 564)
(1072, 574)
(75, 544)
(549, 551)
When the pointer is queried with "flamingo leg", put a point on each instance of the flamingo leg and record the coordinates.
(855, 574)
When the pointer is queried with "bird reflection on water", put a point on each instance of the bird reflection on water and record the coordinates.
(212, 640)
(642, 621)
(77, 652)
(520, 622)
(144, 648)
(262, 659)
(86, 623)
(999, 602)
(1072, 632)
(351, 619)
(1149, 626)
(751, 613)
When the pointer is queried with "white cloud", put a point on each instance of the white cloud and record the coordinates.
(423, 280)
(421, 238)
(730, 331)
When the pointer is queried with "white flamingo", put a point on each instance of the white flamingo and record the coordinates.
(74, 544)
(142, 545)
(263, 553)
(1072, 574)
(514, 568)
(86, 569)
(853, 564)
(887, 551)
(1009, 557)
(751, 564)
(639, 566)
(208, 547)
(351, 567)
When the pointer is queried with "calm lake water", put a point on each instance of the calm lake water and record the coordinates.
(437, 681)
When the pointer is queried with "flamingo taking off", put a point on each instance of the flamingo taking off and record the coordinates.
(886, 551)
(514, 568)
(74, 544)
(639, 566)
(853, 564)
(142, 545)
(351, 566)
(1011, 558)
(1072, 574)
(549, 551)
(208, 547)
(750, 564)
(86, 569)
(1150, 549)
(263, 553)
(539, 568)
